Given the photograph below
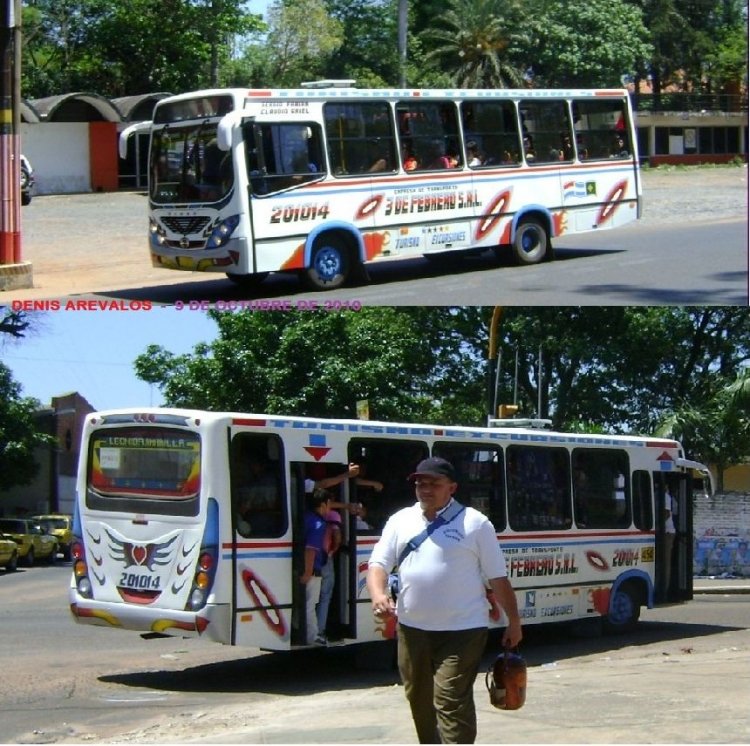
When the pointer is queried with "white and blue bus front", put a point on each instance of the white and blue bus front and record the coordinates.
(146, 544)
(196, 220)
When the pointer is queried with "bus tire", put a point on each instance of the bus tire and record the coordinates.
(30, 558)
(625, 610)
(531, 244)
(330, 264)
(248, 282)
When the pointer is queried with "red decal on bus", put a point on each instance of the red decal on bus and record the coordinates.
(257, 588)
(596, 560)
(493, 214)
(612, 202)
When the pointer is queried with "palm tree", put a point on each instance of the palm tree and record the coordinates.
(472, 41)
(716, 431)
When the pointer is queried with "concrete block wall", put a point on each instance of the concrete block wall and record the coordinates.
(721, 527)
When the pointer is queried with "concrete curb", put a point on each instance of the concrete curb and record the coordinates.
(16, 276)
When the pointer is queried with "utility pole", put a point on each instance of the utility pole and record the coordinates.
(13, 273)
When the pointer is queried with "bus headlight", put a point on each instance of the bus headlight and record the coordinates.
(157, 233)
(221, 233)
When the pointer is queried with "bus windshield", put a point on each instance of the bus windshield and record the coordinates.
(144, 470)
(187, 165)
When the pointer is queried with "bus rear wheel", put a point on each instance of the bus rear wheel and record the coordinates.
(330, 264)
(624, 610)
(531, 243)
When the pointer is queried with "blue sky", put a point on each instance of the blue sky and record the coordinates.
(92, 352)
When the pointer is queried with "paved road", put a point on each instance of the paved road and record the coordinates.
(690, 247)
(683, 676)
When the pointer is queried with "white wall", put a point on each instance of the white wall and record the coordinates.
(59, 154)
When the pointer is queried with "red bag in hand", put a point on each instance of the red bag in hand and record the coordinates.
(506, 681)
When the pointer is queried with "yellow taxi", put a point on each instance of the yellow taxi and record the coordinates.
(34, 543)
(8, 553)
(60, 525)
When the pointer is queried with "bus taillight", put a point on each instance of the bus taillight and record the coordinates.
(205, 571)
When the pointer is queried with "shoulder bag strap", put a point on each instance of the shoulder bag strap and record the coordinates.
(441, 520)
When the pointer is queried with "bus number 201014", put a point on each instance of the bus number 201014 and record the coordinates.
(141, 582)
(295, 213)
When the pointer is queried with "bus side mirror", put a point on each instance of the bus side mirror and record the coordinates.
(225, 128)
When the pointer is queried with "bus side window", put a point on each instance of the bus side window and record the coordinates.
(360, 138)
(256, 484)
(547, 124)
(538, 488)
(479, 472)
(643, 514)
(431, 131)
(598, 125)
(389, 463)
(601, 488)
(493, 126)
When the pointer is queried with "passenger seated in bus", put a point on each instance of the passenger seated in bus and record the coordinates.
(408, 159)
(620, 150)
(473, 159)
(528, 149)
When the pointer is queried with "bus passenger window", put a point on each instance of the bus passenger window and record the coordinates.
(601, 488)
(257, 497)
(601, 129)
(479, 473)
(547, 124)
(491, 133)
(281, 156)
(360, 138)
(538, 481)
(429, 130)
(388, 464)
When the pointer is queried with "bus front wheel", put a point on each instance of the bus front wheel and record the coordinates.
(624, 610)
(531, 243)
(329, 264)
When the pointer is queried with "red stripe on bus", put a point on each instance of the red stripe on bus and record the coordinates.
(249, 422)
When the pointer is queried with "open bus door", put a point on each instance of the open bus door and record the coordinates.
(340, 622)
(674, 560)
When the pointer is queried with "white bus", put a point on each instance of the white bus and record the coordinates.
(325, 180)
(173, 537)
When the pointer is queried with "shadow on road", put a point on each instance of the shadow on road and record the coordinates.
(336, 669)
(288, 285)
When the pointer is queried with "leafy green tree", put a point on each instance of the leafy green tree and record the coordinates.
(585, 43)
(302, 36)
(369, 49)
(474, 41)
(408, 363)
(118, 49)
(716, 431)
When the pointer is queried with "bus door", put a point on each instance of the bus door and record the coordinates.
(682, 554)
(332, 477)
(261, 548)
(674, 556)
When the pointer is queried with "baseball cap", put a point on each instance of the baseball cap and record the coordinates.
(434, 467)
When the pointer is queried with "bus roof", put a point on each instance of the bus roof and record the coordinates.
(336, 92)
(166, 416)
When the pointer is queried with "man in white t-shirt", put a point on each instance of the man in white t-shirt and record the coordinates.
(442, 603)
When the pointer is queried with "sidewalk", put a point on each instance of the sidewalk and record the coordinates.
(718, 584)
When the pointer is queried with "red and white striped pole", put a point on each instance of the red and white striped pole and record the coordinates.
(10, 138)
